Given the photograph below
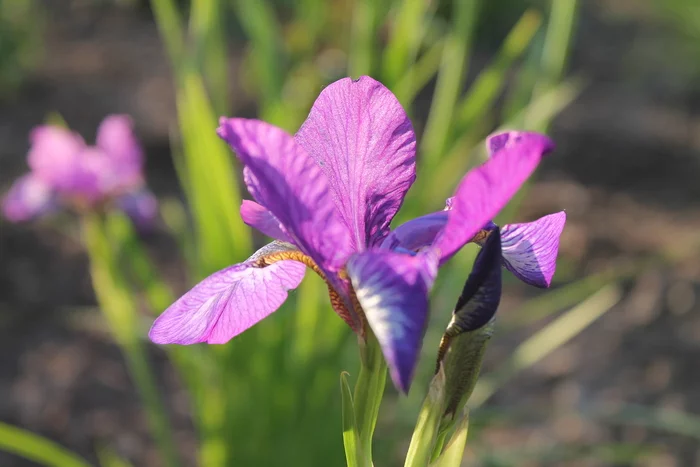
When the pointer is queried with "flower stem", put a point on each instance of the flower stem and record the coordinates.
(369, 390)
(119, 310)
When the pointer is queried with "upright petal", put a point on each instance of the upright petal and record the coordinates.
(260, 218)
(364, 142)
(287, 182)
(116, 138)
(530, 249)
(54, 154)
(484, 191)
(29, 197)
(227, 303)
(392, 289)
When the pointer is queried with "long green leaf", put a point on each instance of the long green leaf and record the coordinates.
(449, 83)
(483, 93)
(405, 39)
(36, 448)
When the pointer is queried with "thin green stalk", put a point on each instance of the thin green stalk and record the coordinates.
(406, 36)
(362, 43)
(450, 80)
(419, 74)
(170, 28)
(483, 93)
(36, 448)
(369, 390)
(562, 16)
(258, 20)
(119, 310)
(209, 45)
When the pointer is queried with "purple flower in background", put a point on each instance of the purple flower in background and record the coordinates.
(66, 172)
(327, 195)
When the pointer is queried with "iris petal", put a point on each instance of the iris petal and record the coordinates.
(364, 142)
(28, 198)
(260, 218)
(116, 138)
(484, 191)
(392, 289)
(530, 249)
(54, 154)
(228, 302)
(287, 182)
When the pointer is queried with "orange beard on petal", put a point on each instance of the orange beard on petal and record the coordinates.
(354, 319)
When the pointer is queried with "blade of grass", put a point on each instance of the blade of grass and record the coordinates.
(362, 41)
(547, 340)
(37, 448)
(257, 18)
(419, 74)
(223, 238)
(405, 39)
(209, 46)
(449, 82)
(483, 93)
(170, 28)
(560, 27)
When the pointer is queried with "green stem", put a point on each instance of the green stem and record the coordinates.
(369, 390)
(119, 311)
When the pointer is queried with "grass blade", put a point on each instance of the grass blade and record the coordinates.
(449, 83)
(37, 448)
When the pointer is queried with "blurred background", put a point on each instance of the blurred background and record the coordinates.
(601, 370)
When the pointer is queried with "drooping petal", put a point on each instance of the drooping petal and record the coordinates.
(285, 180)
(116, 138)
(416, 233)
(530, 249)
(260, 218)
(227, 303)
(392, 289)
(54, 154)
(141, 206)
(364, 142)
(29, 197)
(484, 191)
(481, 294)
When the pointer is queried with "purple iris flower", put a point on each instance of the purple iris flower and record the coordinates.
(66, 172)
(328, 195)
